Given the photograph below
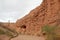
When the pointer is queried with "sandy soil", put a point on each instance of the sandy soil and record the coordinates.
(4, 37)
(28, 37)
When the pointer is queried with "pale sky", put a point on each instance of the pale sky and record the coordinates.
(16, 9)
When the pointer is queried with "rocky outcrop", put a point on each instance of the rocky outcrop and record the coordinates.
(48, 13)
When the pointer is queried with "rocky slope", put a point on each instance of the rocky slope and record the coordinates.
(48, 13)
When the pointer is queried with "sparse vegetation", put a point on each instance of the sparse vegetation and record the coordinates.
(50, 32)
(8, 32)
(1, 32)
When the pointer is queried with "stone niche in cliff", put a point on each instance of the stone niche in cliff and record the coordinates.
(48, 13)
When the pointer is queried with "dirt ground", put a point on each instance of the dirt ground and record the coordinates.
(28, 37)
(22, 37)
(4, 37)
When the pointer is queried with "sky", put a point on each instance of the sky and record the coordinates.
(16, 9)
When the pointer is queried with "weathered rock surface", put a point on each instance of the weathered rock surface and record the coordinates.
(48, 13)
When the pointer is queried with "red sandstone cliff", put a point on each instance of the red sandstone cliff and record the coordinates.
(48, 13)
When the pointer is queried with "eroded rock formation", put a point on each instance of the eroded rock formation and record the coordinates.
(48, 13)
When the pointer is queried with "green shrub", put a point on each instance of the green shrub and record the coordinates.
(50, 32)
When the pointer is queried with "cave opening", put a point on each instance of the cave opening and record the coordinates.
(23, 26)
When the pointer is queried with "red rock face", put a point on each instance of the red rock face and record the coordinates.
(48, 13)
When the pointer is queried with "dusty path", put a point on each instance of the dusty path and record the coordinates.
(27, 37)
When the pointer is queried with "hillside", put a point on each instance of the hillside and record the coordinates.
(48, 13)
